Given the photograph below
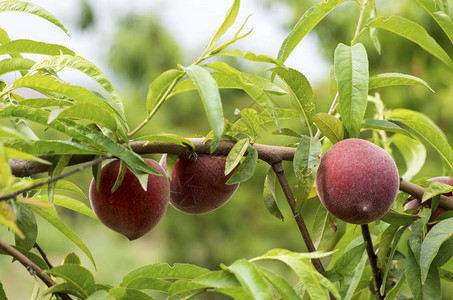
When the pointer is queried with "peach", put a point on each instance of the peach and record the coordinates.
(199, 186)
(130, 210)
(357, 181)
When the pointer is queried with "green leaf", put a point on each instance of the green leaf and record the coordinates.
(9, 132)
(26, 222)
(301, 90)
(387, 238)
(390, 258)
(323, 235)
(61, 185)
(436, 188)
(394, 217)
(41, 147)
(280, 284)
(148, 283)
(287, 132)
(45, 102)
(351, 74)
(438, 235)
(17, 154)
(412, 271)
(70, 203)
(251, 279)
(249, 56)
(209, 93)
(122, 293)
(384, 125)
(330, 126)
(82, 133)
(251, 120)
(235, 155)
(30, 46)
(306, 161)
(246, 169)
(440, 14)
(30, 8)
(218, 279)
(84, 66)
(305, 24)
(432, 136)
(52, 87)
(164, 271)
(413, 32)
(6, 177)
(226, 81)
(167, 138)
(87, 112)
(413, 152)
(432, 288)
(77, 276)
(50, 215)
(392, 79)
(227, 22)
(270, 200)
(251, 87)
(15, 64)
(317, 285)
(158, 87)
(346, 263)
(184, 286)
(353, 280)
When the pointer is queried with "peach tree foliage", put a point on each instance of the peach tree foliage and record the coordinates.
(390, 259)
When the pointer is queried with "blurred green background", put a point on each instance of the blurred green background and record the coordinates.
(140, 48)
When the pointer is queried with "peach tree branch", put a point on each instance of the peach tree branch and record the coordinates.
(31, 267)
(372, 258)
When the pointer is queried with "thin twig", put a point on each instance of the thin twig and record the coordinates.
(376, 272)
(280, 173)
(43, 255)
(31, 267)
(61, 176)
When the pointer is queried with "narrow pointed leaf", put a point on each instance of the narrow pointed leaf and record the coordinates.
(413, 152)
(30, 8)
(330, 126)
(391, 79)
(301, 90)
(305, 164)
(270, 200)
(246, 169)
(50, 86)
(70, 203)
(305, 24)
(346, 263)
(79, 277)
(251, 279)
(436, 188)
(41, 147)
(34, 47)
(167, 138)
(227, 22)
(26, 222)
(439, 14)
(159, 86)
(438, 235)
(235, 155)
(15, 64)
(413, 32)
(407, 114)
(209, 93)
(351, 73)
(280, 284)
(249, 56)
(430, 135)
(84, 66)
(323, 235)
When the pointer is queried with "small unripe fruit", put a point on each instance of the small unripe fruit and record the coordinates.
(357, 181)
(414, 204)
(199, 186)
(130, 210)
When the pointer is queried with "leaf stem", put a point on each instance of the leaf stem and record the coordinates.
(162, 100)
(31, 267)
(376, 272)
(280, 173)
(43, 255)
